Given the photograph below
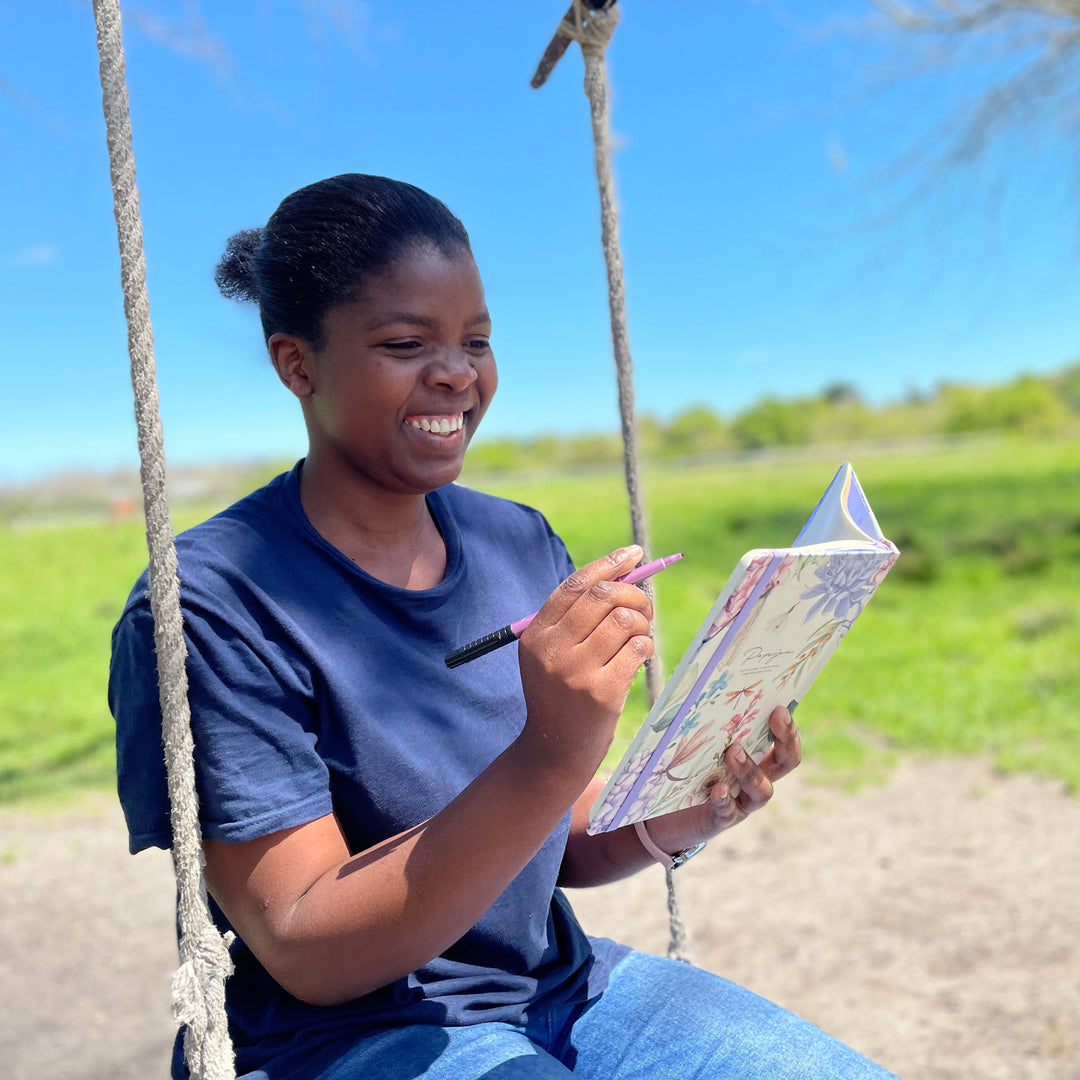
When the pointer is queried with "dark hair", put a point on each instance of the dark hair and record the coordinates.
(323, 241)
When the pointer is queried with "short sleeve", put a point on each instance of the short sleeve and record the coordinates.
(563, 564)
(560, 554)
(257, 767)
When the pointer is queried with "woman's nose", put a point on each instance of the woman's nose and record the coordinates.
(453, 368)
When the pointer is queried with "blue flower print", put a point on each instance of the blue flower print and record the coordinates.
(845, 585)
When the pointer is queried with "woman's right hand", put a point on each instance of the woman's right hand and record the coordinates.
(578, 658)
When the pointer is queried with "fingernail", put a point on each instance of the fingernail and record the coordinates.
(623, 553)
(738, 753)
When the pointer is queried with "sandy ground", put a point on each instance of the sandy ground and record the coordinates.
(933, 922)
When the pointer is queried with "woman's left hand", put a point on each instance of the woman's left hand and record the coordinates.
(747, 788)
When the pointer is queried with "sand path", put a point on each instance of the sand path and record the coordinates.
(932, 922)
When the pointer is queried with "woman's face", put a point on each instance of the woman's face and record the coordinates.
(404, 375)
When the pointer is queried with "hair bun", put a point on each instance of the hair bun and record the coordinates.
(235, 274)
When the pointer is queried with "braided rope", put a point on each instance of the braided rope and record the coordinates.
(596, 91)
(593, 36)
(592, 30)
(198, 987)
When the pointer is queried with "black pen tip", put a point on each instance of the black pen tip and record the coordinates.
(480, 647)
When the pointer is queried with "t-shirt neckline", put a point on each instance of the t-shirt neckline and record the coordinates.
(444, 521)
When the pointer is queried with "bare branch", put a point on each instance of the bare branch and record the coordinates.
(1029, 50)
(949, 17)
(190, 37)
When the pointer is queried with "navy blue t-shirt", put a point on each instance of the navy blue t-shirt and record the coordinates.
(316, 688)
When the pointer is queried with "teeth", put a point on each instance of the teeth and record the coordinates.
(443, 425)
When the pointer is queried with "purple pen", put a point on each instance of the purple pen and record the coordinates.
(498, 638)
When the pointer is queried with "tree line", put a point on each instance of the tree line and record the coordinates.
(1029, 405)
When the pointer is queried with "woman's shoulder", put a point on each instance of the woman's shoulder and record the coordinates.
(233, 543)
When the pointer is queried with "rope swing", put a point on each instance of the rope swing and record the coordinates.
(591, 26)
(198, 987)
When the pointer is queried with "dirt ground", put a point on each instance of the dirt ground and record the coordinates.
(932, 922)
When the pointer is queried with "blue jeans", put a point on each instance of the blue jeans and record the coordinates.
(658, 1019)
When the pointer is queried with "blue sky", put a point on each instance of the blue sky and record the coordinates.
(764, 252)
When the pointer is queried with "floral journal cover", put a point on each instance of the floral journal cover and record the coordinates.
(778, 619)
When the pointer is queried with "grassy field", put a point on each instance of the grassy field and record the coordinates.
(971, 645)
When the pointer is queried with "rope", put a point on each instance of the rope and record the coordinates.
(592, 31)
(591, 26)
(199, 984)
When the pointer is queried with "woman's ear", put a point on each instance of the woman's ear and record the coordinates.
(291, 356)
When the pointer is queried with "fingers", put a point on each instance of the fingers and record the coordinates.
(607, 615)
(578, 584)
(598, 616)
(786, 750)
(622, 653)
(745, 787)
(579, 656)
(748, 786)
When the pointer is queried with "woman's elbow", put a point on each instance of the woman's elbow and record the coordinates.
(312, 979)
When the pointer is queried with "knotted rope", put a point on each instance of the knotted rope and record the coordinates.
(591, 26)
(199, 985)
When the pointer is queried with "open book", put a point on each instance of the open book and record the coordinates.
(776, 622)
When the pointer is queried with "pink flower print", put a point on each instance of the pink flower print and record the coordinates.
(739, 725)
(783, 572)
(885, 567)
(734, 603)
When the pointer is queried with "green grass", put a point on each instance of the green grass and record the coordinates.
(61, 591)
(972, 645)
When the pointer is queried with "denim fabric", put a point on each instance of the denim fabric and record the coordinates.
(658, 1019)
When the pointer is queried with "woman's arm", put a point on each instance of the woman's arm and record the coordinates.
(329, 926)
(596, 860)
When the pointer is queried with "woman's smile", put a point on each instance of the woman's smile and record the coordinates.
(437, 425)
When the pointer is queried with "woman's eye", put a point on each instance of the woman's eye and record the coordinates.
(402, 346)
(478, 343)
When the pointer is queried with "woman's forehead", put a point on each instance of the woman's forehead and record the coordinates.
(423, 273)
(424, 288)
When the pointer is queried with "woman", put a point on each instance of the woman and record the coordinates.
(386, 835)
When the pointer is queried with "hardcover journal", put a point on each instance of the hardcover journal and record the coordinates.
(777, 621)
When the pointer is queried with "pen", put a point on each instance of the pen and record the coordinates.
(498, 638)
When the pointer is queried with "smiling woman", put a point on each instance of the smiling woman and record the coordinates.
(375, 319)
(386, 835)
(391, 398)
